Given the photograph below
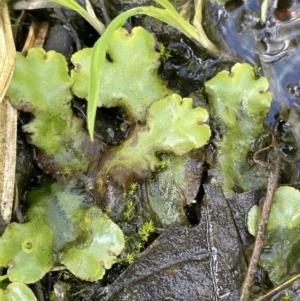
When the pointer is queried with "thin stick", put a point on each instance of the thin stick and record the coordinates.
(7, 49)
(274, 169)
(278, 288)
(8, 138)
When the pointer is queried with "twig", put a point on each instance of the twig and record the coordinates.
(7, 49)
(8, 138)
(273, 169)
(36, 35)
(278, 288)
(259, 162)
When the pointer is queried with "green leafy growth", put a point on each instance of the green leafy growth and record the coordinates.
(130, 211)
(135, 238)
(280, 257)
(129, 79)
(168, 14)
(165, 54)
(172, 126)
(62, 227)
(130, 258)
(239, 104)
(17, 291)
(146, 230)
(41, 85)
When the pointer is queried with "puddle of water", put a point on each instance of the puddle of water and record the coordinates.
(273, 46)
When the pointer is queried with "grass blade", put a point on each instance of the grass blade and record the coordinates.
(169, 16)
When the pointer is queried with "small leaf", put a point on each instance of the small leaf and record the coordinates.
(105, 243)
(253, 219)
(186, 126)
(81, 61)
(170, 190)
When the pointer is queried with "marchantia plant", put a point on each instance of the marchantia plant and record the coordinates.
(238, 104)
(46, 94)
(64, 227)
(130, 79)
(162, 122)
(64, 148)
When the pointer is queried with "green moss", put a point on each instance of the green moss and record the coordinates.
(146, 230)
(238, 103)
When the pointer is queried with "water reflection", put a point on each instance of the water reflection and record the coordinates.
(275, 47)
